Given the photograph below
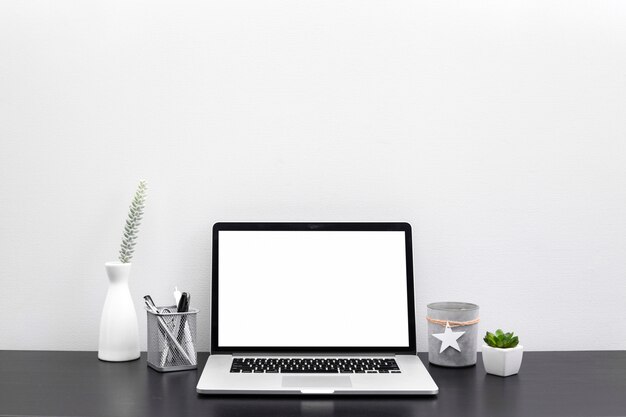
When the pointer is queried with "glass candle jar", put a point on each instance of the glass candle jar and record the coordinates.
(452, 333)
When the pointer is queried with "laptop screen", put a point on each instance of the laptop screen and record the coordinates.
(313, 288)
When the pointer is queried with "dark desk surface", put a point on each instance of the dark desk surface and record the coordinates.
(78, 384)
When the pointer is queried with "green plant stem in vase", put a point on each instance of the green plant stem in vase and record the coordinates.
(131, 229)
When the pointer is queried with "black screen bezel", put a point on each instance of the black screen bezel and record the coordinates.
(395, 226)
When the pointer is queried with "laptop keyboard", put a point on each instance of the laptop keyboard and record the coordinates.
(315, 366)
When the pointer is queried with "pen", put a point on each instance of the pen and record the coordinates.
(177, 295)
(164, 347)
(183, 307)
(184, 333)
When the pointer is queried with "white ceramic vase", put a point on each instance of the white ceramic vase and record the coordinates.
(119, 333)
(502, 362)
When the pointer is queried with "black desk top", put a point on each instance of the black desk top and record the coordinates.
(78, 384)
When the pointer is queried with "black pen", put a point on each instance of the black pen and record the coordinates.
(183, 307)
(183, 304)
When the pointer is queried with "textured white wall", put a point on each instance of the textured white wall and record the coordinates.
(496, 128)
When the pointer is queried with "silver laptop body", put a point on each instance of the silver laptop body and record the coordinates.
(313, 308)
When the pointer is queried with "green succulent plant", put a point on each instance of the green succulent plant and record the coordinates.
(135, 213)
(501, 340)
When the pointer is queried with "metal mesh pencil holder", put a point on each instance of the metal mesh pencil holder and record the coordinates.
(172, 340)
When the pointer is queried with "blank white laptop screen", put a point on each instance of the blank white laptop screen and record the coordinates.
(312, 288)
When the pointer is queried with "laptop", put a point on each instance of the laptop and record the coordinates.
(313, 308)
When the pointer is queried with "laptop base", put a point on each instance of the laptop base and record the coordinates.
(414, 379)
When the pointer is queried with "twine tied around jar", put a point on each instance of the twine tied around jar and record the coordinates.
(452, 323)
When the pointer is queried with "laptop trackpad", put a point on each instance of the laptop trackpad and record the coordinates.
(317, 382)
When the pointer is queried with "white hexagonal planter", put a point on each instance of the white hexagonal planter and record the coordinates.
(502, 362)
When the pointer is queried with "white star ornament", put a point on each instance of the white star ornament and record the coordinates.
(448, 338)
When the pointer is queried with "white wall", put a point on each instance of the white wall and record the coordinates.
(496, 128)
